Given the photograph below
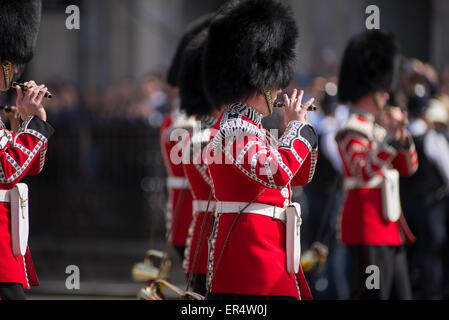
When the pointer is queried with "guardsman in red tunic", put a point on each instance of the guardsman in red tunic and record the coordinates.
(375, 148)
(179, 204)
(195, 103)
(249, 57)
(21, 153)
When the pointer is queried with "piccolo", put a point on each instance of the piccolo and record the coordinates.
(281, 105)
(47, 95)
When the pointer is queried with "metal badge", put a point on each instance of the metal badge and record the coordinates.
(7, 73)
(269, 99)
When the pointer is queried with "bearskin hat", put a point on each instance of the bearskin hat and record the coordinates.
(370, 63)
(192, 30)
(251, 47)
(190, 80)
(19, 26)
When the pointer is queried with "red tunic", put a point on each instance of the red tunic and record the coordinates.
(179, 204)
(244, 162)
(20, 154)
(197, 172)
(365, 153)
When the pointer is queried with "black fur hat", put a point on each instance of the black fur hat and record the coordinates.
(370, 63)
(251, 47)
(192, 30)
(191, 90)
(19, 26)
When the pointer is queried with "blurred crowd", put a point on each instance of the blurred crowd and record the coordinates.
(422, 92)
(148, 99)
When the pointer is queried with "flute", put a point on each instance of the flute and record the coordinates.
(281, 105)
(24, 88)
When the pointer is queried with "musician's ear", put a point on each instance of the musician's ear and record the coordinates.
(2, 77)
(15, 69)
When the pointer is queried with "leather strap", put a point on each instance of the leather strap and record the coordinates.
(254, 208)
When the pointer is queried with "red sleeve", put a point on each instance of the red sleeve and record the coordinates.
(359, 159)
(406, 161)
(23, 153)
(364, 163)
(307, 170)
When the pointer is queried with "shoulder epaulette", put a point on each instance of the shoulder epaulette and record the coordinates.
(359, 125)
(235, 128)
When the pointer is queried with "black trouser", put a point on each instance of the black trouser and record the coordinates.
(426, 255)
(394, 281)
(11, 291)
(180, 250)
(198, 284)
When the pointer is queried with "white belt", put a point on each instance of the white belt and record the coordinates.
(203, 206)
(5, 196)
(18, 198)
(290, 215)
(177, 183)
(255, 208)
(357, 183)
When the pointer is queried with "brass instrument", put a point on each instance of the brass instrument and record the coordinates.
(156, 265)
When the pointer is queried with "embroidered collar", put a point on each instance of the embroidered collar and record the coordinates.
(238, 109)
(207, 121)
(362, 113)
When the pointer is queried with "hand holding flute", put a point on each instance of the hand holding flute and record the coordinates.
(281, 105)
(395, 121)
(29, 100)
(24, 87)
(293, 108)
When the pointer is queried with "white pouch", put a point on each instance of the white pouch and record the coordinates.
(19, 219)
(293, 225)
(391, 203)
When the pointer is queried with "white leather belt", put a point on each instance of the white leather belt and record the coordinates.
(290, 215)
(18, 198)
(177, 183)
(5, 196)
(357, 183)
(202, 206)
(255, 208)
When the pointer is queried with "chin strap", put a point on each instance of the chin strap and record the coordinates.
(269, 99)
(7, 73)
(377, 100)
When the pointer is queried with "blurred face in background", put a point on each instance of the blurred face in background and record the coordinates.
(151, 85)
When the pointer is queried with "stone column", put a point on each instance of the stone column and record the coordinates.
(156, 28)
